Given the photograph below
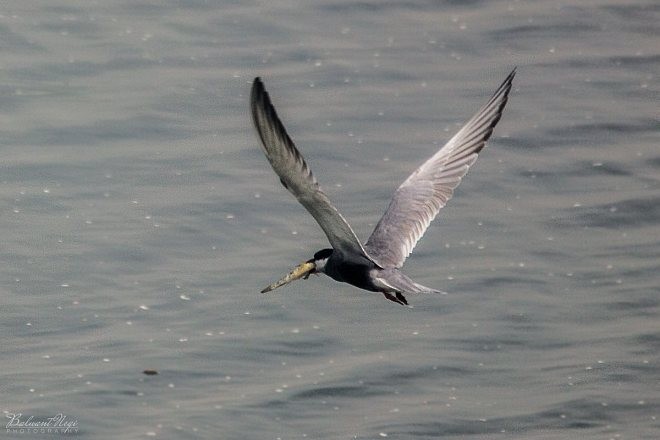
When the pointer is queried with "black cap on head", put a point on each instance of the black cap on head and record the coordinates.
(323, 254)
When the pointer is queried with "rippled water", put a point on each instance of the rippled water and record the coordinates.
(140, 220)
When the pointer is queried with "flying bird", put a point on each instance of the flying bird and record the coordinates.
(376, 264)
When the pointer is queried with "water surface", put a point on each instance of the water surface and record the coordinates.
(141, 219)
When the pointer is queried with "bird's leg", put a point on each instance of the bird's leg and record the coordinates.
(399, 298)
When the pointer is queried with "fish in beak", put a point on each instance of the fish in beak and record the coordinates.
(302, 270)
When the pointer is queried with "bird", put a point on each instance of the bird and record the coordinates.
(375, 265)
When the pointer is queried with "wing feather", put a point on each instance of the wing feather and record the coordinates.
(295, 174)
(421, 196)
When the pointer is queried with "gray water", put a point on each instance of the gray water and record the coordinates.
(140, 220)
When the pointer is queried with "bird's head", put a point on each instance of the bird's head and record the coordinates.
(303, 270)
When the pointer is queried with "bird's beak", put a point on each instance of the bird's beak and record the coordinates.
(302, 270)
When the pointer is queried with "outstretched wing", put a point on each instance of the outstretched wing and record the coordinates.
(295, 175)
(419, 199)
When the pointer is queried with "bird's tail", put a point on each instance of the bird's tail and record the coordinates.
(400, 282)
(424, 289)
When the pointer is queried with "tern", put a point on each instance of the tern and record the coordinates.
(375, 265)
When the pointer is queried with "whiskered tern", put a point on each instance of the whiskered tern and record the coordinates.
(375, 265)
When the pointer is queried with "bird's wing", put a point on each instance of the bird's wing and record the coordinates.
(295, 175)
(419, 199)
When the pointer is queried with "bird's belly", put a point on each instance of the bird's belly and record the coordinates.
(355, 274)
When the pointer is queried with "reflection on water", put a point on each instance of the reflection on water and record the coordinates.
(140, 220)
